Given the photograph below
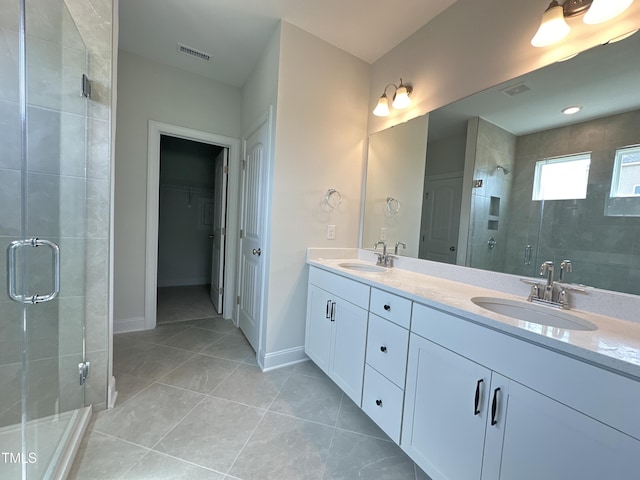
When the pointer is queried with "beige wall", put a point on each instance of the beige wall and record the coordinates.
(260, 91)
(151, 91)
(320, 133)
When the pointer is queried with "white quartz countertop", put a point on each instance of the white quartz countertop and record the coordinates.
(615, 345)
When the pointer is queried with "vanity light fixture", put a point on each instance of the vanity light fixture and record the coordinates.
(400, 99)
(604, 10)
(623, 36)
(554, 28)
(572, 109)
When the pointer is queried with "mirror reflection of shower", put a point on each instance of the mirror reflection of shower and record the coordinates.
(505, 170)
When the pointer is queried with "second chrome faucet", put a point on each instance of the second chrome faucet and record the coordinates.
(386, 259)
(551, 293)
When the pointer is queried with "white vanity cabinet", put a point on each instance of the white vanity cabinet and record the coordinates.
(336, 329)
(538, 437)
(463, 420)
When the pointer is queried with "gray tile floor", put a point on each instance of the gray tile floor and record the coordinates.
(176, 304)
(193, 404)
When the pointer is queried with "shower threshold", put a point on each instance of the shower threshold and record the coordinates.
(52, 443)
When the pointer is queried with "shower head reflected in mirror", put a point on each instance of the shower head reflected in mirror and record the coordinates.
(505, 170)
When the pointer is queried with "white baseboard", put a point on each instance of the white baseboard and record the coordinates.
(282, 358)
(128, 325)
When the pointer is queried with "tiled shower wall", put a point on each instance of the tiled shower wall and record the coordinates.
(490, 202)
(62, 126)
(604, 250)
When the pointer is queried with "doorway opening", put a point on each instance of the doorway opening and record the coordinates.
(226, 151)
(191, 229)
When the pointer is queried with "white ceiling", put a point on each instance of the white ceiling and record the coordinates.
(235, 32)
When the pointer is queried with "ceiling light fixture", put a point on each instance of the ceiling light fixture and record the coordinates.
(572, 109)
(554, 28)
(400, 99)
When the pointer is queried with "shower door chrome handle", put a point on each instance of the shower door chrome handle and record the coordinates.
(11, 262)
(528, 250)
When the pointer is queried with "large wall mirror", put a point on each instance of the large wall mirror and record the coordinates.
(504, 180)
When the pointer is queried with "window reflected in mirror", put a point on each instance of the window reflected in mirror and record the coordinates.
(562, 178)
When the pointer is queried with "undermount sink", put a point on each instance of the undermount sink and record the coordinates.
(363, 267)
(532, 313)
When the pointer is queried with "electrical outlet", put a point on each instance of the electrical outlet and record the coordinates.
(383, 234)
(331, 232)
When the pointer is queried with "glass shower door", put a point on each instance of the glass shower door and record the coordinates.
(43, 226)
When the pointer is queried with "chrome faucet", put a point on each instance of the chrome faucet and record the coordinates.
(553, 294)
(384, 259)
(404, 245)
(547, 268)
(565, 267)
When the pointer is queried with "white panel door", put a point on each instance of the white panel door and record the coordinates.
(252, 226)
(219, 229)
(441, 220)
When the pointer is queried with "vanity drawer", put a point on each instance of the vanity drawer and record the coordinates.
(392, 307)
(387, 346)
(382, 401)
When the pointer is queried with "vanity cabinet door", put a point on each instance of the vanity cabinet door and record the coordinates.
(443, 424)
(317, 343)
(348, 349)
(336, 334)
(542, 438)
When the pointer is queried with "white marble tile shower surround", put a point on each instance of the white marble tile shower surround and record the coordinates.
(188, 409)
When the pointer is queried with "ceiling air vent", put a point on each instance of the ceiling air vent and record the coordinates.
(514, 90)
(193, 52)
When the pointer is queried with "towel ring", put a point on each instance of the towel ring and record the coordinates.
(333, 198)
(392, 206)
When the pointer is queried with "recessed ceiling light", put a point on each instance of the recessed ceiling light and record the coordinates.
(571, 110)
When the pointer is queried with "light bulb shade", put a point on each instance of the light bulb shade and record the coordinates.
(602, 10)
(552, 29)
(382, 109)
(401, 98)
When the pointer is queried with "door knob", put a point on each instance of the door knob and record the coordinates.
(453, 249)
(211, 236)
(256, 251)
